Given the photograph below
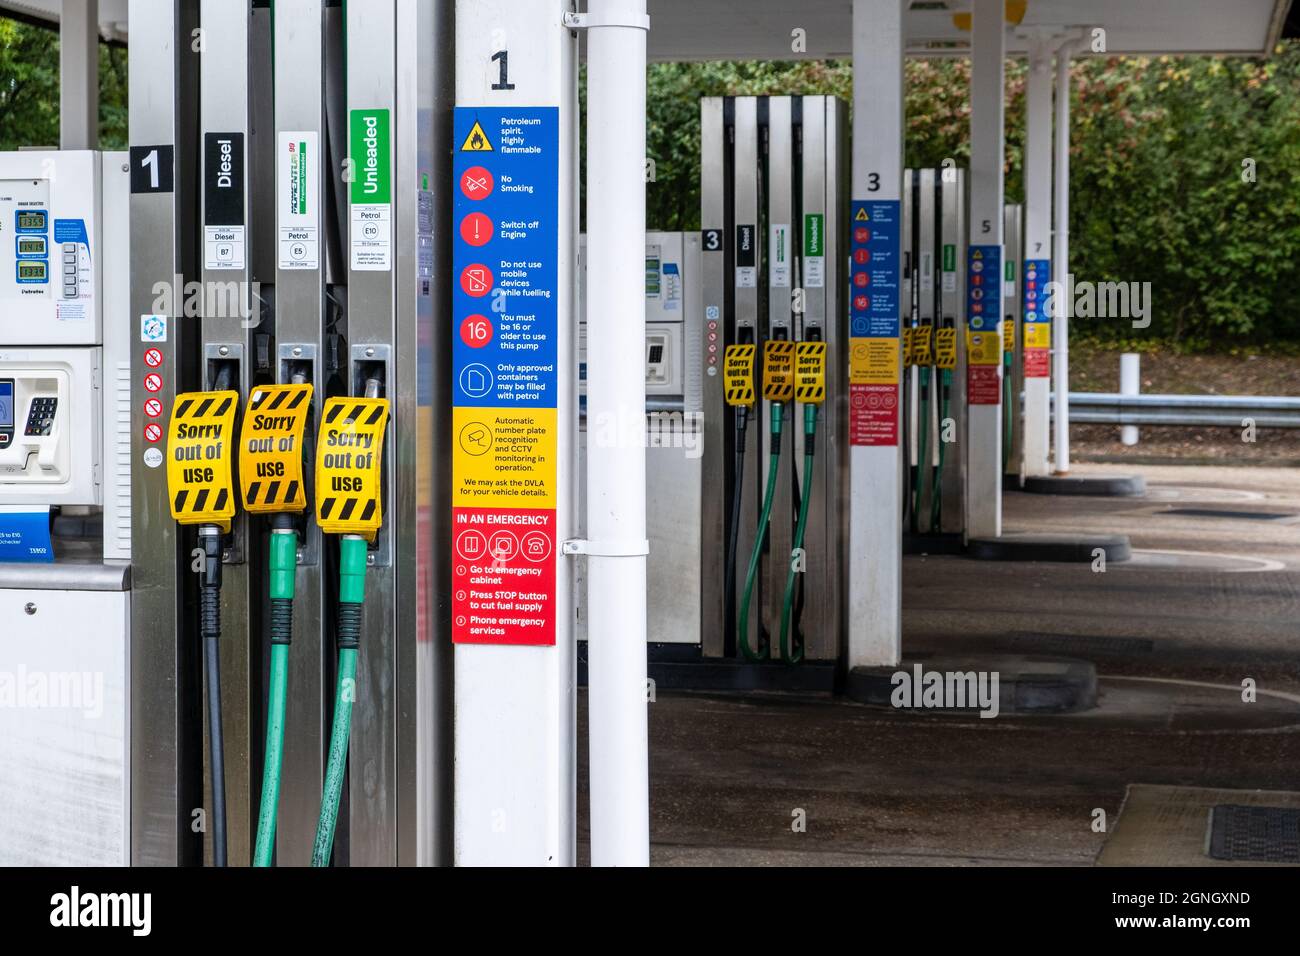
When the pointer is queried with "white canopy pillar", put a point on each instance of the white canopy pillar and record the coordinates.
(616, 519)
(984, 273)
(1061, 259)
(79, 74)
(1036, 271)
(875, 360)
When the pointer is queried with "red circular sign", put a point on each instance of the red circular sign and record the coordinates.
(476, 182)
(476, 280)
(153, 382)
(476, 331)
(153, 357)
(152, 431)
(861, 256)
(860, 280)
(153, 408)
(476, 229)
(861, 234)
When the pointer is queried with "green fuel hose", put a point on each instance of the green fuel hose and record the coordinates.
(923, 446)
(283, 567)
(795, 655)
(742, 631)
(1008, 414)
(352, 595)
(936, 500)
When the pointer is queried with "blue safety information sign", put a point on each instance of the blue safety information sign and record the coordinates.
(874, 273)
(505, 257)
(983, 275)
(505, 367)
(1038, 272)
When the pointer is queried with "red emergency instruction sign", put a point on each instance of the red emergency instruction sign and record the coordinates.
(503, 575)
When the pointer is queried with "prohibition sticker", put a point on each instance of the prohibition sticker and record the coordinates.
(153, 382)
(153, 358)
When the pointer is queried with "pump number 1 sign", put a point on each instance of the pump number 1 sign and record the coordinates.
(505, 275)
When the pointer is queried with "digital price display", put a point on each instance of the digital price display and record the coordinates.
(32, 271)
(31, 220)
(31, 245)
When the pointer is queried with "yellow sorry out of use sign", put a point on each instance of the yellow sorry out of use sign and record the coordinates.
(199, 455)
(270, 448)
(349, 453)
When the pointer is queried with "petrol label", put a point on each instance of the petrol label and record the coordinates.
(778, 370)
(349, 453)
(200, 457)
(371, 190)
(810, 373)
(270, 448)
(738, 374)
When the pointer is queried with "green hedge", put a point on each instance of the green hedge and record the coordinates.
(1157, 188)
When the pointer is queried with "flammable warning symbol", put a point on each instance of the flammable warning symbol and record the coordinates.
(476, 141)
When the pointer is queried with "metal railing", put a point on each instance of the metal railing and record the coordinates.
(1228, 411)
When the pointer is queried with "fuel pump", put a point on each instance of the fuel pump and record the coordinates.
(201, 493)
(271, 456)
(945, 361)
(810, 391)
(778, 388)
(349, 455)
(738, 375)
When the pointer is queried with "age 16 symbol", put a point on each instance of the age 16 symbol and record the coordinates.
(476, 331)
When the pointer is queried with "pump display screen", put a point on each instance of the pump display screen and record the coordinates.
(31, 245)
(32, 271)
(7, 403)
(652, 277)
(32, 219)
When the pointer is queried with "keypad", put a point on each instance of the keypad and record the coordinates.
(40, 419)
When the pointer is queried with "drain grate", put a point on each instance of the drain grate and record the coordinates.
(1079, 644)
(1255, 834)
(1214, 513)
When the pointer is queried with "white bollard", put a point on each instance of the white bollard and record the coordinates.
(1130, 383)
